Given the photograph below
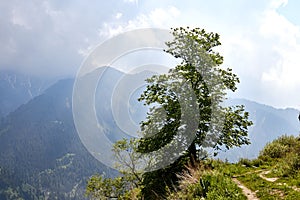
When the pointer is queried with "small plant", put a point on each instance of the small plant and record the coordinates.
(257, 162)
(246, 162)
(207, 184)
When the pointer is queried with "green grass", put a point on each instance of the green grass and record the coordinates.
(212, 185)
(247, 172)
(281, 159)
(266, 190)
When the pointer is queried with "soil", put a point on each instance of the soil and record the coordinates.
(246, 191)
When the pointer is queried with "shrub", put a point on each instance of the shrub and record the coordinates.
(275, 149)
(221, 187)
(212, 185)
(257, 162)
(246, 162)
(293, 163)
(280, 147)
(289, 141)
(288, 167)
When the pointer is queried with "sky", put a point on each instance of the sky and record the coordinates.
(260, 38)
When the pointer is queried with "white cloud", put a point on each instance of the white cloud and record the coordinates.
(275, 26)
(259, 43)
(16, 19)
(119, 15)
(158, 17)
(44, 37)
(265, 54)
(282, 75)
(132, 1)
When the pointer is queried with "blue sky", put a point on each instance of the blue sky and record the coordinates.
(260, 38)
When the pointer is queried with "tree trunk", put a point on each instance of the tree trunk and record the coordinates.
(193, 154)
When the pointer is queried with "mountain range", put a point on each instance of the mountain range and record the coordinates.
(42, 156)
(17, 89)
(268, 124)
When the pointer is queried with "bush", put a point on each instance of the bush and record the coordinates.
(274, 150)
(246, 162)
(289, 141)
(250, 163)
(257, 162)
(280, 147)
(293, 163)
(288, 167)
(211, 186)
(221, 187)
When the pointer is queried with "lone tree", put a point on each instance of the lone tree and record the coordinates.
(202, 84)
(190, 95)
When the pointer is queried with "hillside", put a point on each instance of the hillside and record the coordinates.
(41, 155)
(17, 89)
(274, 174)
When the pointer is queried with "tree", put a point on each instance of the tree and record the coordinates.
(201, 83)
(187, 117)
(127, 184)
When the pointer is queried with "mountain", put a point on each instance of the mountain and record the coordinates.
(17, 89)
(116, 102)
(268, 124)
(41, 155)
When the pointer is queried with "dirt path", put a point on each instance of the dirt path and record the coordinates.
(246, 191)
(262, 175)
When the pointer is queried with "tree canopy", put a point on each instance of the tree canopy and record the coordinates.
(187, 118)
(202, 84)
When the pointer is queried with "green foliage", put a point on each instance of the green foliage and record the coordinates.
(280, 147)
(278, 160)
(105, 188)
(288, 166)
(294, 163)
(127, 157)
(235, 130)
(289, 163)
(274, 150)
(156, 183)
(125, 186)
(199, 61)
(266, 190)
(246, 162)
(251, 163)
(102, 188)
(211, 185)
(213, 180)
(221, 187)
(187, 111)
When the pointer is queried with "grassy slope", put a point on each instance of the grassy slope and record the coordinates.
(275, 174)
